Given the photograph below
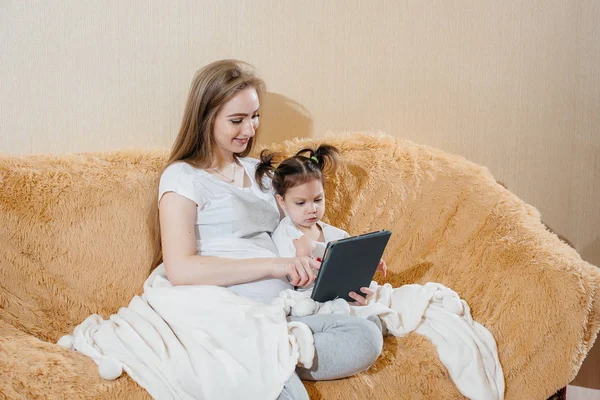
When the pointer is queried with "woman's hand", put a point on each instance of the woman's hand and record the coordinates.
(382, 267)
(362, 300)
(300, 271)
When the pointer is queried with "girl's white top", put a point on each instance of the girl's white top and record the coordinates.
(287, 232)
(230, 222)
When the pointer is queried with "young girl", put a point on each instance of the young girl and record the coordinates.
(298, 185)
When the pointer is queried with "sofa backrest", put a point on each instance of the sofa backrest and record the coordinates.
(76, 237)
(76, 228)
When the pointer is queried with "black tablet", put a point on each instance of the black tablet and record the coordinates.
(349, 264)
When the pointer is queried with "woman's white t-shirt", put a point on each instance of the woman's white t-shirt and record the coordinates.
(230, 222)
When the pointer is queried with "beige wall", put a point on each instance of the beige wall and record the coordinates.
(513, 85)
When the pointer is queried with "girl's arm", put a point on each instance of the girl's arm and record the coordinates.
(185, 267)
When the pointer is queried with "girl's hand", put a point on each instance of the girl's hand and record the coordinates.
(362, 300)
(300, 271)
(304, 246)
(382, 267)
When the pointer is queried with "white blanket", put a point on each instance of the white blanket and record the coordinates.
(205, 342)
(196, 342)
(465, 347)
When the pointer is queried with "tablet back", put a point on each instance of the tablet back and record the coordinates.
(348, 265)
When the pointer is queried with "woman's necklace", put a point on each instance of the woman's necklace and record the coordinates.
(228, 179)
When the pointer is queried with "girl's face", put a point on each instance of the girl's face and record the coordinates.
(236, 122)
(305, 204)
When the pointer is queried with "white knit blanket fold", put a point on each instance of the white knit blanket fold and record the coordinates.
(465, 347)
(205, 342)
(196, 342)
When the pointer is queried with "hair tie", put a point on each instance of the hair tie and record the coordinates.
(315, 159)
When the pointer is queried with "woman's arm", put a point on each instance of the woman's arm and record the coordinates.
(185, 267)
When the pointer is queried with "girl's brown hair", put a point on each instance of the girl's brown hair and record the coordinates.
(212, 86)
(305, 165)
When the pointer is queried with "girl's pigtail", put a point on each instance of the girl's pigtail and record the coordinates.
(265, 167)
(327, 157)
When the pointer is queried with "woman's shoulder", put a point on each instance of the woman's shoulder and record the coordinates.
(180, 167)
(182, 178)
(249, 161)
(181, 170)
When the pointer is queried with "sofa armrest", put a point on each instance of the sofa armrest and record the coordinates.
(532, 291)
(31, 369)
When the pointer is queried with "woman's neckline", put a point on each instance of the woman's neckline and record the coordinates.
(243, 164)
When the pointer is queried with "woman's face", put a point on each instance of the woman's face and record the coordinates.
(305, 204)
(236, 122)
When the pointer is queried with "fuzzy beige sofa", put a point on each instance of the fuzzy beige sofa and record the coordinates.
(75, 239)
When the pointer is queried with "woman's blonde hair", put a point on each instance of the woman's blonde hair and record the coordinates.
(213, 86)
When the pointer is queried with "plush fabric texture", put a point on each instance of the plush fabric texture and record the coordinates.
(75, 240)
